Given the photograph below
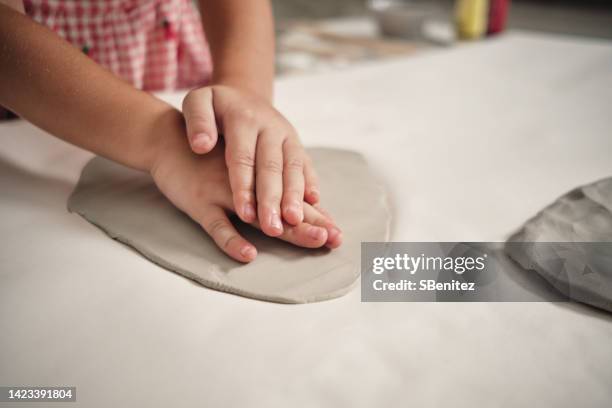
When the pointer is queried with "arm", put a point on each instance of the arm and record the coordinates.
(14, 4)
(241, 38)
(53, 85)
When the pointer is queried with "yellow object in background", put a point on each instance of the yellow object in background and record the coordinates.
(471, 18)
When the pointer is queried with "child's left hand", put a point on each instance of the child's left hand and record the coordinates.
(263, 154)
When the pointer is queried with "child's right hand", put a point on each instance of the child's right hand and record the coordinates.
(199, 186)
(270, 173)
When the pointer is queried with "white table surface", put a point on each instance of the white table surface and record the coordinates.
(470, 141)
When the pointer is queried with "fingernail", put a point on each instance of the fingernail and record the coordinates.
(248, 252)
(314, 193)
(201, 140)
(295, 209)
(334, 232)
(248, 212)
(335, 243)
(275, 221)
(316, 233)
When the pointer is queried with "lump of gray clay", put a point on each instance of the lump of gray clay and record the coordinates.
(569, 243)
(129, 208)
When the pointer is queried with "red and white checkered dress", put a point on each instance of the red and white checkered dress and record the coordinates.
(152, 44)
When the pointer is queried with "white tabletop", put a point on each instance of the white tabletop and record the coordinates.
(470, 141)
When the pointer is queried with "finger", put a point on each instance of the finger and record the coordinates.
(200, 120)
(221, 230)
(293, 182)
(269, 183)
(315, 217)
(241, 142)
(303, 235)
(311, 192)
(324, 212)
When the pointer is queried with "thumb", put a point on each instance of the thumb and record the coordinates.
(200, 120)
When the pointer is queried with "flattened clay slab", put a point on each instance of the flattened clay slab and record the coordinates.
(578, 260)
(129, 208)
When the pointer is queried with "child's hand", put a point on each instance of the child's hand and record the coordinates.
(263, 154)
(199, 186)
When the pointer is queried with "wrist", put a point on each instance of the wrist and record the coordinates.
(168, 128)
(261, 88)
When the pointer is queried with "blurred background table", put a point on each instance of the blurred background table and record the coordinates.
(319, 35)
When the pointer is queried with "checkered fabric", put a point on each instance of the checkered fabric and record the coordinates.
(152, 44)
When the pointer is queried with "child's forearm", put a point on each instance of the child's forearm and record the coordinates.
(53, 85)
(241, 38)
